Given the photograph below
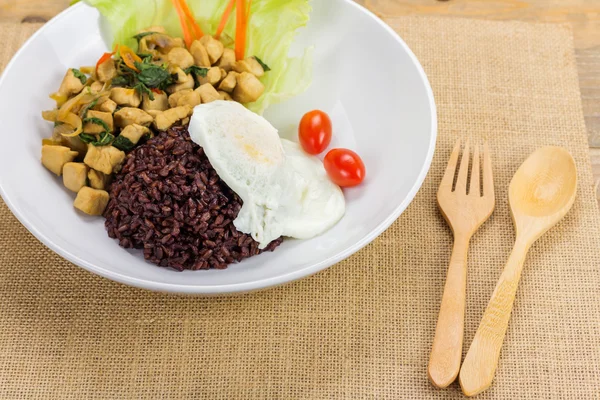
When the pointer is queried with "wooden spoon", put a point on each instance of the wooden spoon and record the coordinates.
(541, 193)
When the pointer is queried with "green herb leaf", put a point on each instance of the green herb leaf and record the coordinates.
(97, 121)
(143, 89)
(142, 35)
(265, 67)
(104, 140)
(79, 75)
(197, 71)
(122, 143)
(120, 80)
(152, 75)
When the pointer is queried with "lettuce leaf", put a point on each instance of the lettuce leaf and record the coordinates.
(273, 26)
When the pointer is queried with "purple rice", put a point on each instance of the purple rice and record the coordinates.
(168, 201)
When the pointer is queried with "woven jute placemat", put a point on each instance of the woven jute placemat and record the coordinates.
(362, 329)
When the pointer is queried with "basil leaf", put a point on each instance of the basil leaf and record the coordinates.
(104, 140)
(120, 80)
(198, 71)
(265, 67)
(79, 75)
(87, 138)
(122, 143)
(152, 75)
(97, 121)
(142, 35)
(143, 89)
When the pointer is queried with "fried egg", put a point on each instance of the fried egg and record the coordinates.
(285, 191)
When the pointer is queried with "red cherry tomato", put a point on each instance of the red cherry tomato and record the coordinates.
(315, 132)
(344, 167)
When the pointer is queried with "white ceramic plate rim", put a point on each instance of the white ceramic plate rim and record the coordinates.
(253, 285)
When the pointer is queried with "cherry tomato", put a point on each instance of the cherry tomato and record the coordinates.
(344, 167)
(315, 132)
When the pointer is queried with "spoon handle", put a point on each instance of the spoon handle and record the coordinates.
(480, 364)
(446, 352)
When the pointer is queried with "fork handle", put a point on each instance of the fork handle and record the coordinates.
(479, 368)
(446, 352)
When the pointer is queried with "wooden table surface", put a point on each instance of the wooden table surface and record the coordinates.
(582, 15)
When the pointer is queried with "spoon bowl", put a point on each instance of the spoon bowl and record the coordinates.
(542, 191)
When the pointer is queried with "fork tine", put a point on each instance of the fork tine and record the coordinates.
(463, 172)
(475, 188)
(488, 177)
(451, 168)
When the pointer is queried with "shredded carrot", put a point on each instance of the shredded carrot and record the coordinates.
(225, 17)
(191, 19)
(240, 30)
(187, 35)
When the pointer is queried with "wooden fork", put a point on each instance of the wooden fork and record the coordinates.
(465, 211)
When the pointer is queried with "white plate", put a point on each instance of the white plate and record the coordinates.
(365, 77)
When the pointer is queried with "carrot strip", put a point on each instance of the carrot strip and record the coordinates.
(225, 17)
(187, 35)
(240, 31)
(191, 19)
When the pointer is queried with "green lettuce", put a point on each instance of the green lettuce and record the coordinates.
(272, 28)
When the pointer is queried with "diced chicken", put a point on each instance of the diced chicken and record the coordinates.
(213, 76)
(128, 115)
(106, 117)
(174, 98)
(125, 97)
(201, 58)
(191, 99)
(160, 102)
(248, 88)
(168, 118)
(225, 96)
(96, 87)
(181, 57)
(208, 93)
(249, 65)
(104, 158)
(213, 47)
(98, 180)
(106, 71)
(227, 60)
(229, 83)
(75, 176)
(154, 113)
(134, 132)
(70, 84)
(54, 158)
(184, 81)
(91, 201)
(223, 73)
(108, 106)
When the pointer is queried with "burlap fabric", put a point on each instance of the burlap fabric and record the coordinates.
(362, 329)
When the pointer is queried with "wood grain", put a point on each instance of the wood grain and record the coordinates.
(582, 15)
